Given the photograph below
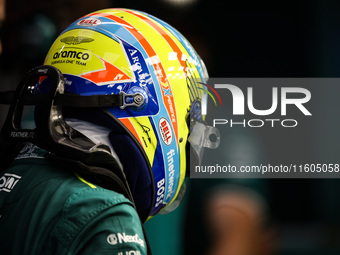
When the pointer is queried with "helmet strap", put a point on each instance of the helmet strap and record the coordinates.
(52, 133)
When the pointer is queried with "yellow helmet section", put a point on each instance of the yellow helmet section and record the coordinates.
(70, 54)
(120, 50)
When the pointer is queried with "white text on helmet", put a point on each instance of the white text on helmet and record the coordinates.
(171, 174)
(144, 77)
(160, 192)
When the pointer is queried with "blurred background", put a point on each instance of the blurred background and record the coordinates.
(235, 39)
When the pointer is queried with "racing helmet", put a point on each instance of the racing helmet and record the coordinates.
(161, 80)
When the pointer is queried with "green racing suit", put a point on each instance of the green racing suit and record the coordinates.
(45, 209)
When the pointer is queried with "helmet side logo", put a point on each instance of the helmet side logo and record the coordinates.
(165, 131)
(74, 40)
(89, 22)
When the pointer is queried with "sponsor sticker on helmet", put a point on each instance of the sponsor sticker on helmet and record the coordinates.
(165, 131)
(72, 56)
(89, 22)
(74, 40)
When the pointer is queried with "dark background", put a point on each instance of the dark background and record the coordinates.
(235, 39)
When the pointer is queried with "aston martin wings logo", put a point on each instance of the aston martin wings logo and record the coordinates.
(76, 40)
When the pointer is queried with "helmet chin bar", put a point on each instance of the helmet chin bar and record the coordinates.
(52, 133)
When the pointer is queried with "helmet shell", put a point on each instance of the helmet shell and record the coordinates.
(116, 50)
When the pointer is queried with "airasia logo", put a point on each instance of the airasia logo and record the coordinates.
(89, 22)
(165, 131)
